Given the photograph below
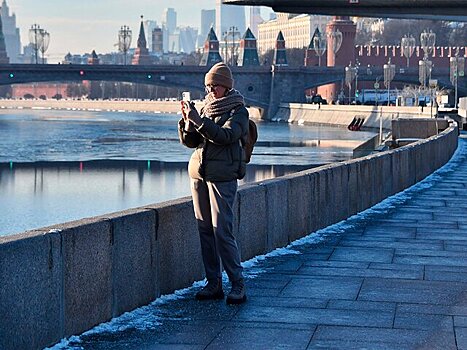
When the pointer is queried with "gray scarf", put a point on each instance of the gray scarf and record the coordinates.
(215, 107)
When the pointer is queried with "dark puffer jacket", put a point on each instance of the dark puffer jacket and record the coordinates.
(219, 155)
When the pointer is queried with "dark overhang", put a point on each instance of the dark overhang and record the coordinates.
(447, 10)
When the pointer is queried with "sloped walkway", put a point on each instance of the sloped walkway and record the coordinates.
(393, 277)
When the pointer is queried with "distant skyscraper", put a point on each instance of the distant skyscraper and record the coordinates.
(228, 16)
(157, 41)
(149, 26)
(3, 54)
(11, 33)
(208, 20)
(255, 19)
(188, 36)
(169, 25)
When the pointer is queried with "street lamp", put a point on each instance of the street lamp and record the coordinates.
(427, 42)
(319, 44)
(334, 41)
(389, 73)
(408, 47)
(45, 41)
(124, 41)
(457, 66)
(350, 73)
(425, 67)
(35, 38)
(233, 34)
(357, 65)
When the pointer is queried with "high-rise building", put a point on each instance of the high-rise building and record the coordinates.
(169, 25)
(11, 34)
(149, 26)
(170, 19)
(208, 20)
(188, 36)
(157, 41)
(255, 19)
(228, 16)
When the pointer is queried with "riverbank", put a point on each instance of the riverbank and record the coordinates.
(143, 106)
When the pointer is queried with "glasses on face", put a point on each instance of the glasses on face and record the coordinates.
(211, 87)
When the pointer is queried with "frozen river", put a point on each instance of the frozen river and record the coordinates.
(57, 166)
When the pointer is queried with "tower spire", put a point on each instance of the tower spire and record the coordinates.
(142, 37)
(141, 55)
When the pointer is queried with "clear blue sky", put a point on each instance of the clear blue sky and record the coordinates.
(80, 26)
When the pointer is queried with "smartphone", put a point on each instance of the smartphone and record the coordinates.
(186, 96)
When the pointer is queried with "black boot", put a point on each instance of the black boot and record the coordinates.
(237, 294)
(211, 291)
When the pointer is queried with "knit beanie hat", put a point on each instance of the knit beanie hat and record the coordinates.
(219, 74)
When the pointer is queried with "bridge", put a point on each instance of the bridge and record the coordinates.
(262, 86)
(452, 10)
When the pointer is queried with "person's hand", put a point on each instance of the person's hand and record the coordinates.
(191, 113)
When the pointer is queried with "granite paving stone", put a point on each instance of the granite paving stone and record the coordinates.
(365, 318)
(432, 260)
(461, 338)
(446, 276)
(336, 263)
(238, 337)
(323, 287)
(323, 271)
(426, 322)
(398, 338)
(410, 291)
(362, 254)
(453, 310)
(460, 321)
(395, 244)
(361, 305)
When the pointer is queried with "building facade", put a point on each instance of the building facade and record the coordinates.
(296, 29)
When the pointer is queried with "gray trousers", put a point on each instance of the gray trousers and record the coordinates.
(213, 204)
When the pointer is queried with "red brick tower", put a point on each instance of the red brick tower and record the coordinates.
(341, 58)
(141, 56)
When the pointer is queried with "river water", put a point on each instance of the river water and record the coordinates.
(57, 166)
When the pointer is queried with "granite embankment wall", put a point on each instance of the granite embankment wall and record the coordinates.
(342, 115)
(63, 280)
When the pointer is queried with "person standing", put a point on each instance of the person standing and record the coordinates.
(216, 164)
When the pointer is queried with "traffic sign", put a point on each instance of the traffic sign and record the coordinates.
(376, 85)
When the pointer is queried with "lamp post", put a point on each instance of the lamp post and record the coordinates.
(232, 33)
(319, 45)
(457, 66)
(35, 38)
(45, 41)
(427, 42)
(124, 41)
(357, 65)
(389, 73)
(349, 78)
(334, 41)
(408, 47)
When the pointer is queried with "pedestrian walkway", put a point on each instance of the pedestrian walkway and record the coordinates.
(393, 277)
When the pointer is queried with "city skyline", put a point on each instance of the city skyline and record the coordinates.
(80, 27)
